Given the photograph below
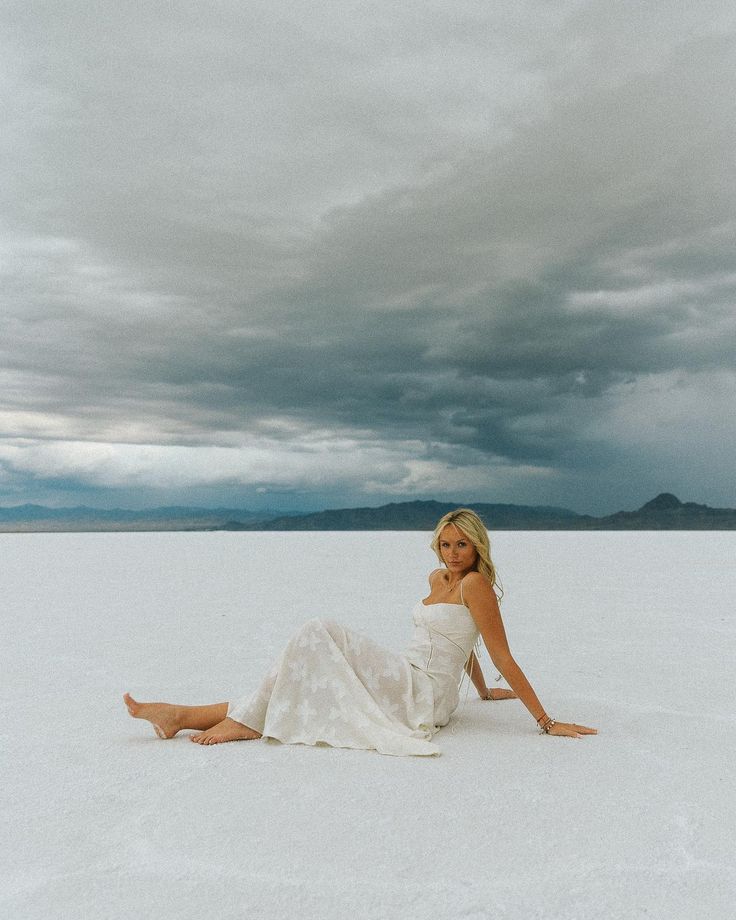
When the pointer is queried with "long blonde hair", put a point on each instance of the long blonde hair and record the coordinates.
(474, 529)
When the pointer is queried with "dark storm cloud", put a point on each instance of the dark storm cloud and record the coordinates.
(473, 242)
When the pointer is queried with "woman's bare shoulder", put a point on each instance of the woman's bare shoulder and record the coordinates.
(476, 583)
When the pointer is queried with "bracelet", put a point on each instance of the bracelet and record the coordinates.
(546, 725)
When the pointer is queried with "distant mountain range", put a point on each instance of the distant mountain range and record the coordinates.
(665, 512)
(40, 518)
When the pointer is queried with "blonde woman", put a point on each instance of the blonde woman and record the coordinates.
(335, 686)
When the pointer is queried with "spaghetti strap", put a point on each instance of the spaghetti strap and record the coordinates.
(462, 599)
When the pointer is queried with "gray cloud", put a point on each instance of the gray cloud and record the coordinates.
(369, 252)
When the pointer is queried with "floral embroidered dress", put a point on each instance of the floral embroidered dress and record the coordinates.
(335, 686)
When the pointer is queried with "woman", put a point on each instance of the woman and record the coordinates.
(335, 686)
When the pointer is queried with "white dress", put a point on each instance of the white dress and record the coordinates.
(335, 686)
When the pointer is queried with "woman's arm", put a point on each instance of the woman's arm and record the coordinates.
(483, 605)
(472, 669)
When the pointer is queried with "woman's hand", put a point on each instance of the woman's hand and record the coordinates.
(498, 693)
(571, 730)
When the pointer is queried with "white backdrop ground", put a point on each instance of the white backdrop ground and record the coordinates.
(630, 632)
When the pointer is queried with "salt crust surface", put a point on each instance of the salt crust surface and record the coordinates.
(633, 633)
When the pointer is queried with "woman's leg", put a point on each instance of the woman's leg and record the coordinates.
(168, 719)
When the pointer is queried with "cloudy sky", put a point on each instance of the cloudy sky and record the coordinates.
(314, 254)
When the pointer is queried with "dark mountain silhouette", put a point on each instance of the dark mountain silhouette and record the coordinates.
(665, 512)
(419, 515)
(665, 501)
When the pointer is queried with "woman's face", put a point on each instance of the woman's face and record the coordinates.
(458, 553)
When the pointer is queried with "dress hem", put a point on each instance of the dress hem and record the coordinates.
(319, 742)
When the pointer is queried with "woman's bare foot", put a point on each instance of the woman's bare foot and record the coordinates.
(499, 693)
(227, 730)
(163, 716)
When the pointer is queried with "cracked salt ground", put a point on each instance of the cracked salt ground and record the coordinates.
(104, 820)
